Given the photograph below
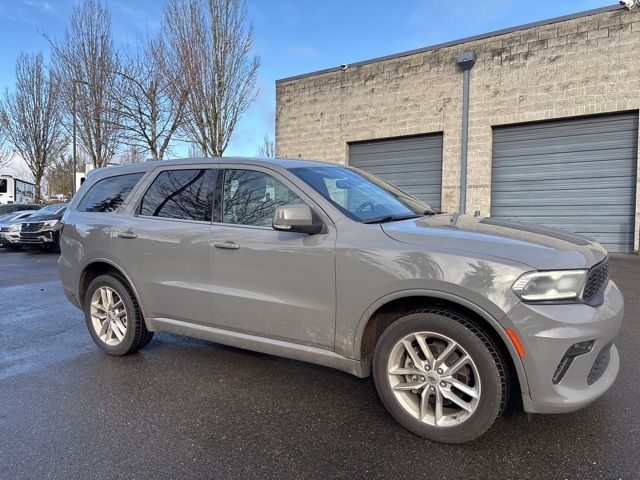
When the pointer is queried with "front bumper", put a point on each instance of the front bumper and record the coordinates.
(9, 238)
(547, 332)
(45, 237)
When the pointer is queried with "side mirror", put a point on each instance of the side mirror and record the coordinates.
(296, 218)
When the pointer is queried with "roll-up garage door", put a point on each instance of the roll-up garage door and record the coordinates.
(413, 164)
(575, 174)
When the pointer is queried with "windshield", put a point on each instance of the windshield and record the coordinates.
(50, 210)
(361, 196)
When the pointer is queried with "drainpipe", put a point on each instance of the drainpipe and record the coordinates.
(465, 60)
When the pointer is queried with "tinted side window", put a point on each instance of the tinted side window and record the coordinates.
(108, 194)
(181, 194)
(251, 197)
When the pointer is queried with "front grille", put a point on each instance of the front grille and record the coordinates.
(32, 227)
(596, 278)
(600, 365)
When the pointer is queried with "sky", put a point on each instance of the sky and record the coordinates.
(291, 37)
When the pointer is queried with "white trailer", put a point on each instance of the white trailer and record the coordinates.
(14, 190)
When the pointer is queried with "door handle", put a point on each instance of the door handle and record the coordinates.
(126, 235)
(226, 245)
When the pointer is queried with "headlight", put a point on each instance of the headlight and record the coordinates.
(51, 223)
(559, 285)
(15, 227)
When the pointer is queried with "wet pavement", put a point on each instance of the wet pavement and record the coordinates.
(185, 408)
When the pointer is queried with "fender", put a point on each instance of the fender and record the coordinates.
(496, 324)
(89, 262)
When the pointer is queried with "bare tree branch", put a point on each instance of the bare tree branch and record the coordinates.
(86, 63)
(132, 155)
(32, 119)
(59, 177)
(150, 100)
(6, 155)
(267, 148)
(210, 43)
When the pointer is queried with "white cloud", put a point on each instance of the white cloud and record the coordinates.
(27, 11)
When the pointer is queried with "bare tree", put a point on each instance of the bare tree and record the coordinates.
(150, 100)
(60, 177)
(267, 148)
(32, 119)
(211, 43)
(195, 151)
(86, 64)
(132, 155)
(6, 155)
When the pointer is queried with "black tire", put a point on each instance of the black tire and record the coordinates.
(137, 336)
(492, 370)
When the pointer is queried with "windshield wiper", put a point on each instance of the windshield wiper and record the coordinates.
(391, 218)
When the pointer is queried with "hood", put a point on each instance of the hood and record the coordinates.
(44, 218)
(540, 247)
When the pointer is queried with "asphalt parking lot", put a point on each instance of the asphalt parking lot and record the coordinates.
(186, 408)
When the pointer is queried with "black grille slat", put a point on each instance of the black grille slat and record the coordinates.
(597, 277)
(600, 365)
(31, 227)
(30, 238)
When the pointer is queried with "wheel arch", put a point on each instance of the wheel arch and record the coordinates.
(388, 309)
(101, 266)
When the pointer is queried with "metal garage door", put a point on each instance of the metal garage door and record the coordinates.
(577, 174)
(413, 164)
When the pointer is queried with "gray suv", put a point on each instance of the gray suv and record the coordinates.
(452, 315)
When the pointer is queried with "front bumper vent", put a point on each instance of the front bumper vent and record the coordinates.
(562, 368)
(576, 349)
(600, 365)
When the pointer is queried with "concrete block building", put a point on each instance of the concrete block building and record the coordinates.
(537, 123)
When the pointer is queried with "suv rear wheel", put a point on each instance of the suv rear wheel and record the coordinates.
(113, 316)
(440, 376)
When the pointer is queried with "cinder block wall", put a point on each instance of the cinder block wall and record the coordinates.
(581, 66)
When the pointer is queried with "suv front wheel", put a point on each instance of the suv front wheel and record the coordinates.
(113, 316)
(440, 376)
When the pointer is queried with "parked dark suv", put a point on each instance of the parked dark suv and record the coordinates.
(43, 228)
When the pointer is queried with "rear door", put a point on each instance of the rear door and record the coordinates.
(164, 246)
(265, 282)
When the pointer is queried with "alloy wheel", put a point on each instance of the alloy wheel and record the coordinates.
(108, 316)
(434, 379)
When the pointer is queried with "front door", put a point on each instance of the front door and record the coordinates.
(264, 282)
